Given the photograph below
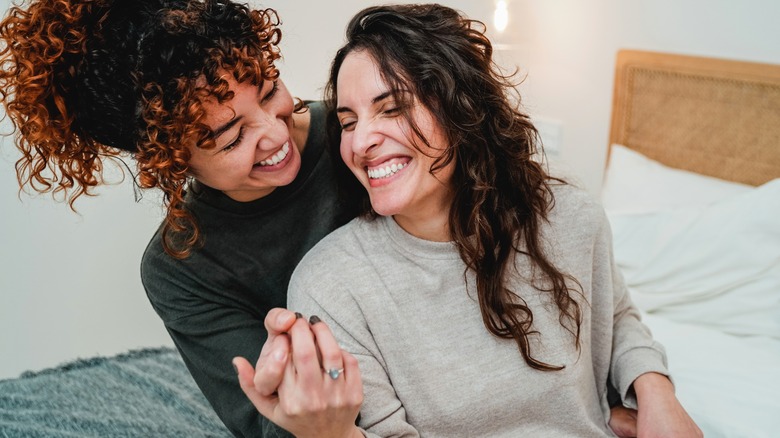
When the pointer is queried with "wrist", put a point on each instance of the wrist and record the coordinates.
(652, 385)
(355, 432)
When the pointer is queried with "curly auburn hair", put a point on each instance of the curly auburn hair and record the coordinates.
(502, 194)
(84, 80)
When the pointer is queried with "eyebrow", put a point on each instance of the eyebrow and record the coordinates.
(381, 97)
(222, 129)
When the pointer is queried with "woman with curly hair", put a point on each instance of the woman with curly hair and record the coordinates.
(189, 89)
(477, 292)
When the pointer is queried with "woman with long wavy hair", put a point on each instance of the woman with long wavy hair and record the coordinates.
(477, 292)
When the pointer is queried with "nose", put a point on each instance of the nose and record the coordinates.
(366, 138)
(274, 131)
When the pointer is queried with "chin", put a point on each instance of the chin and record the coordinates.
(384, 208)
(291, 170)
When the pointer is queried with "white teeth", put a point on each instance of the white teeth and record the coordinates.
(277, 157)
(384, 172)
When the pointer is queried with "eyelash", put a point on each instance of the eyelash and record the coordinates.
(235, 142)
(271, 93)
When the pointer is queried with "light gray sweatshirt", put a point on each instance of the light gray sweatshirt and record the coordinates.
(429, 366)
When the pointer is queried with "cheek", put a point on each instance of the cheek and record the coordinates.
(285, 98)
(288, 106)
(345, 148)
(193, 165)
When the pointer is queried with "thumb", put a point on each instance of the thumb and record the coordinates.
(279, 320)
(266, 405)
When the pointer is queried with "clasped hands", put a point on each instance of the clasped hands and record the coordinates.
(303, 381)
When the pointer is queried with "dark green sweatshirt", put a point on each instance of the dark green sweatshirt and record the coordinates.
(213, 303)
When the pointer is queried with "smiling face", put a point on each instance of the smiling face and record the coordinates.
(255, 151)
(380, 148)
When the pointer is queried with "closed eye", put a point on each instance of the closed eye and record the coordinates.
(348, 125)
(235, 142)
(394, 111)
(271, 93)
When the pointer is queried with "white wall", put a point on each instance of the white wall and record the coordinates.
(573, 46)
(565, 47)
(69, 283)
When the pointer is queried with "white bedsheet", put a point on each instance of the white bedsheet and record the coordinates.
(729, 385)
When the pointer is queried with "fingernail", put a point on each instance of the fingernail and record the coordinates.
(280, 356)
(298, 315)
(314, 319)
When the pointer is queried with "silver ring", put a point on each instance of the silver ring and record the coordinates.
(334, 373)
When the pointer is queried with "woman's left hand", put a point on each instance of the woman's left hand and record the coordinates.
(321, 391)
(660, 414)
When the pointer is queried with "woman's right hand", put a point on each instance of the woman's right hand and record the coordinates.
(310, 401)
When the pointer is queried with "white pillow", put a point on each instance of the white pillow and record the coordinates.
(634, 183)
(716, 264)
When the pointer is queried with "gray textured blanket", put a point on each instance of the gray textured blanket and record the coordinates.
(142, 393)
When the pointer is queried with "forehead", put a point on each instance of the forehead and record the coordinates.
(359, 73)
(216, 112)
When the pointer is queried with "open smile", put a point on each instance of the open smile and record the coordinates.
(386, 169)
(276, 158)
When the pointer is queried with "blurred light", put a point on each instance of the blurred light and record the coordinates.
(501, 16)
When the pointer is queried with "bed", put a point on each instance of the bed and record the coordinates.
(692, 191)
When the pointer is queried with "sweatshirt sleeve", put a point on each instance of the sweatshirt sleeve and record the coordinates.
(315, 290)
(634, 351)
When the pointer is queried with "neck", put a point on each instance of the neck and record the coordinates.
(428, 225)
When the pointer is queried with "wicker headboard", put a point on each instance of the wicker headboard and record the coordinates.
(711, 116)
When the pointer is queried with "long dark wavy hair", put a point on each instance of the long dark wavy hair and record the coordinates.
(502, 193)
(84, 80)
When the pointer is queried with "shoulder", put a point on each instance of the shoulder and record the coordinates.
(315, 127)
(158, 270)
(317, 109)
(346, 242)
(168, 281)
(570, 195)
(154, 259)
(336, 258)
(316, 153)
(576, 212)
(571, 202)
